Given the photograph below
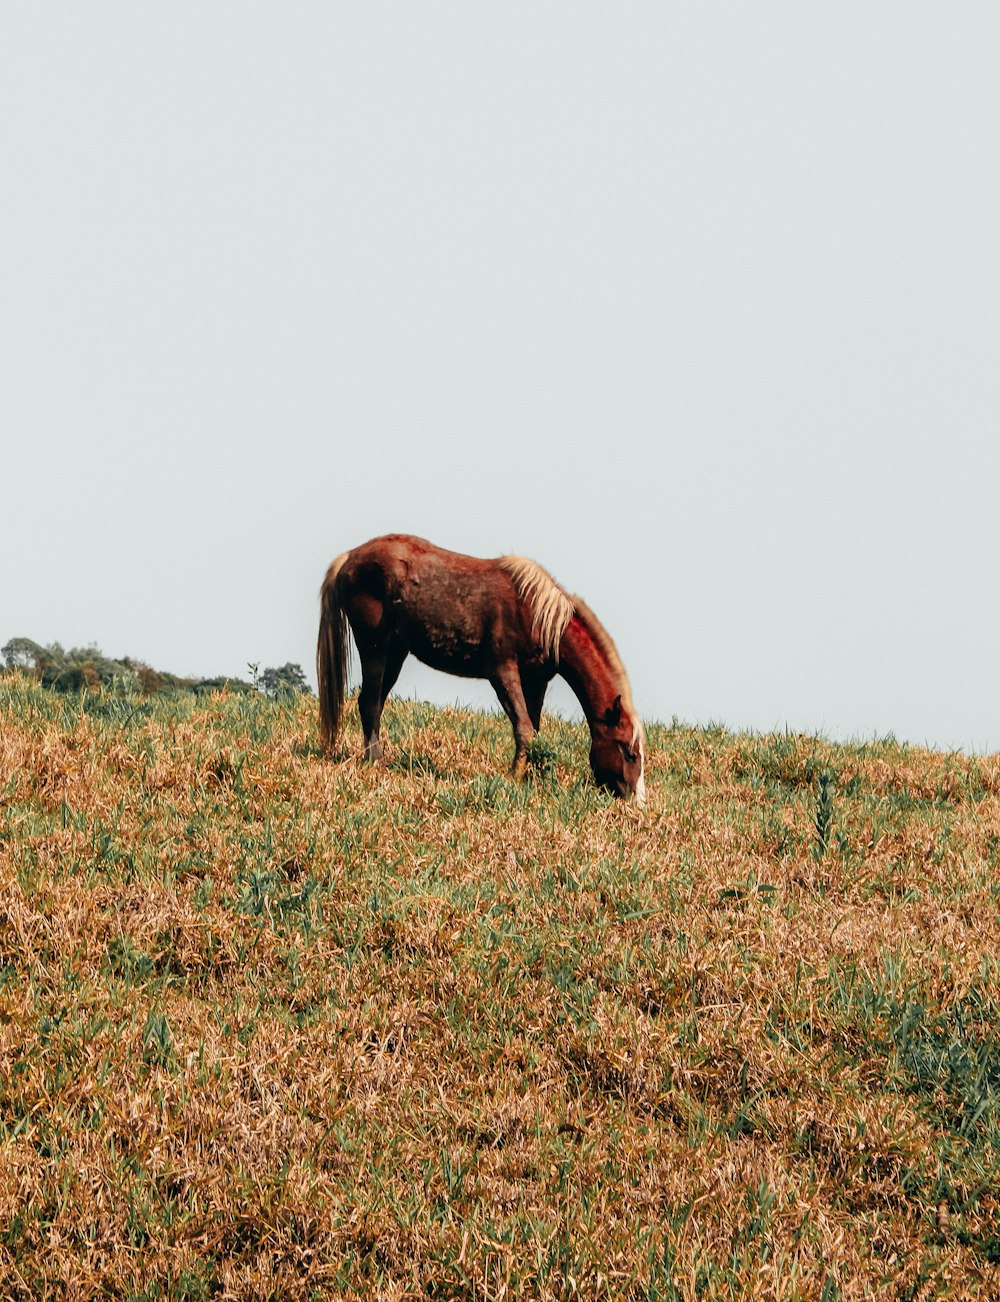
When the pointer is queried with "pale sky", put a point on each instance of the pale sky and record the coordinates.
(697, 304)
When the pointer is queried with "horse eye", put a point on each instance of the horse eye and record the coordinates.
(630, 756)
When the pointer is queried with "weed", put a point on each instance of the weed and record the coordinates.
(824, 813)
(157, 1047)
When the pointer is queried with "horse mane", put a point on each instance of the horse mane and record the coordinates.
(606, 645)
(551, 607)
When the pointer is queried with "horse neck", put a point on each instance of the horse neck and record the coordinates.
(585, 664)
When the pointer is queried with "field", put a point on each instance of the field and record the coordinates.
(274, 1026)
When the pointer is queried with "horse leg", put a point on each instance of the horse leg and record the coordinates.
(379, 671)
(370, 702)
(507, 685)
(393, 664)
(534, 687)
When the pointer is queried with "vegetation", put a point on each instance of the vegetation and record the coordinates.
(286, 680)
(272, 1026)
(87, 667)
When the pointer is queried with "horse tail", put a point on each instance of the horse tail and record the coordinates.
(331, 655)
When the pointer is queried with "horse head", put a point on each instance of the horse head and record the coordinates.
(617, 753)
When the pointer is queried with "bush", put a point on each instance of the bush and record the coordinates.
(89, 669)
(289, 680)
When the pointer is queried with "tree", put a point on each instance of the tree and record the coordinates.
(286, 681)
(22, 653)
(81, 667)
(87, 668)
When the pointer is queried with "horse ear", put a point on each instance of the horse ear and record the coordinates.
(613, 715)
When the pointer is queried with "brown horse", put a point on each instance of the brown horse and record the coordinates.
(505, 620)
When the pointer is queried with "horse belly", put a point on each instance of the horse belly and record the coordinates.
(453, 626)
(454, 648)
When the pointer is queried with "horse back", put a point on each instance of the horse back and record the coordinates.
(455, 612)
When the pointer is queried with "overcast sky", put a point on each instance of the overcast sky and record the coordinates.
(699, 305)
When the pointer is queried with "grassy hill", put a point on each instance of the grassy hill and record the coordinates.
(272, 1026)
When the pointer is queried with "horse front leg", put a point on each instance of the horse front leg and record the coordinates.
(507, 685)
(534, 684)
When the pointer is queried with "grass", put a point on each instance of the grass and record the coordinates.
(272, 1026)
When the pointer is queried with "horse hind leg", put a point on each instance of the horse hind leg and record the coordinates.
(370, 703)
(393, 664)
(379, 671)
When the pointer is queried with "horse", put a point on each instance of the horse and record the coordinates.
(505, 620)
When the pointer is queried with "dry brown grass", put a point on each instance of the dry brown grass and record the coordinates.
(276, 1027)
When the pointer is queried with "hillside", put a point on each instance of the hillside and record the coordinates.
(272, 1026)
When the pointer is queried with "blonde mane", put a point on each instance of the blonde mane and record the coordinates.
(551, 608)
(606, 644)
